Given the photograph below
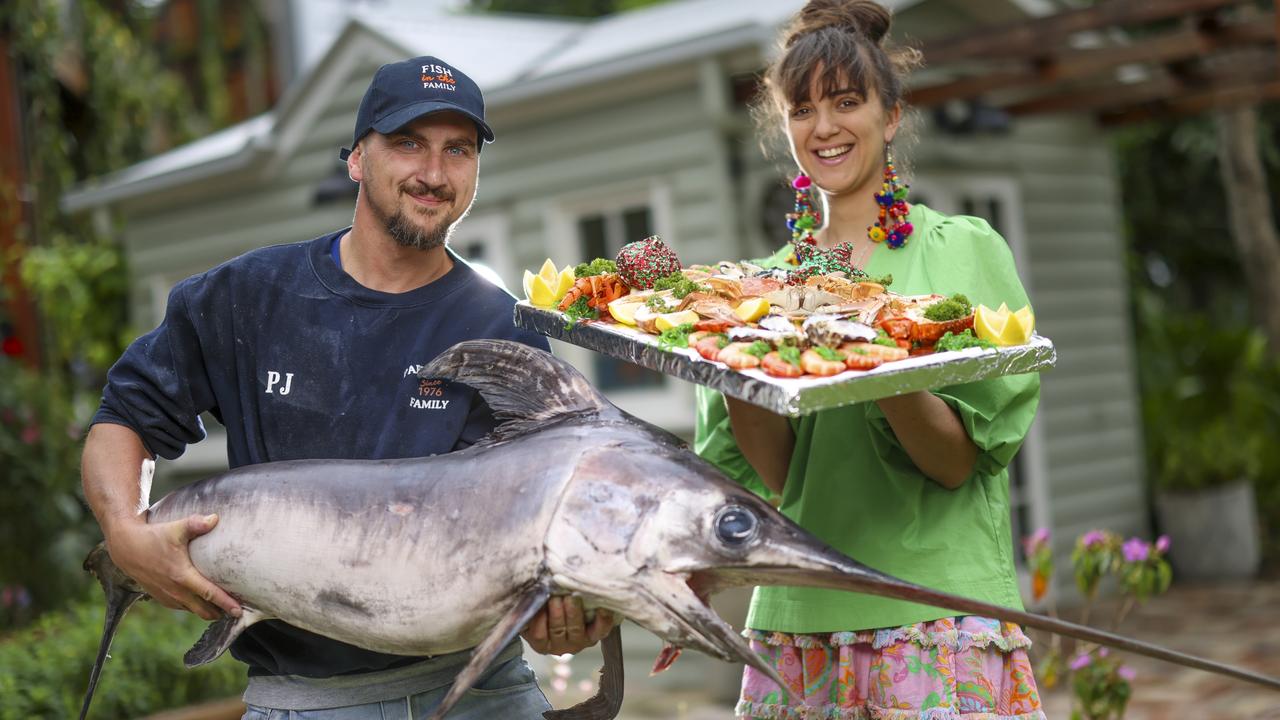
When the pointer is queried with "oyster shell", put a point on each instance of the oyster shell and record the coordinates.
(833, 330)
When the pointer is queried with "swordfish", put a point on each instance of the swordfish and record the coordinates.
(568, 496)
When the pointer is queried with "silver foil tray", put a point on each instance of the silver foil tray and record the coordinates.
(799, 396)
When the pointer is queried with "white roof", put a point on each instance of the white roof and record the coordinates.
(510, 57)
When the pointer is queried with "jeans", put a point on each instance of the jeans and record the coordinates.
(507, 691)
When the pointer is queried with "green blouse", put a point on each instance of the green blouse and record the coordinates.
(851, 483)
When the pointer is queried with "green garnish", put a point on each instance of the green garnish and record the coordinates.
(790, 353)
(656, 302)
(862, 351)
(885, 280)
(580, 311)
(675, 337)
(965, 339)
(882, 338)
(829, 354)
(722, 340)
(953, 308)
(599, 266)
(758, 348)
(679, 285)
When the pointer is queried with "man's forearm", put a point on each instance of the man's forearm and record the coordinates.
(110, 470)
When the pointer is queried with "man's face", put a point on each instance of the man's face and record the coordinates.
(421, 179)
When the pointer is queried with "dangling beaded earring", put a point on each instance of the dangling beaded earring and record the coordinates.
(891, 226)
(803, 220)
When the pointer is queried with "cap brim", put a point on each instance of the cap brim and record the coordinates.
(407, 114)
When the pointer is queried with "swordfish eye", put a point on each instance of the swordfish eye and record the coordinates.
(735, 525)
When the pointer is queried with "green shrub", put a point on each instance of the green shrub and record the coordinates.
(44, 669)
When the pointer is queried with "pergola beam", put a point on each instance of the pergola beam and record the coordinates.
(1185, 44)
(1195, 103)
(1032, 38)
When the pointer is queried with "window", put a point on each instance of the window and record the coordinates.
(602, 235)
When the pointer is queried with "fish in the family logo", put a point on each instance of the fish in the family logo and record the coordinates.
(437, 77)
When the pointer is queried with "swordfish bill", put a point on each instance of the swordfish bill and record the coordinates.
(567, 496)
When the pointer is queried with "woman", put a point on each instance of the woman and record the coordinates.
(914, 485)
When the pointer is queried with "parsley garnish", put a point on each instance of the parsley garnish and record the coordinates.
(599, 266)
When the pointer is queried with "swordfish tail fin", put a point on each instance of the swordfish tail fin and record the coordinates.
(122, 592)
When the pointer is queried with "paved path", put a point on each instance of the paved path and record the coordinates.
(1237, 624)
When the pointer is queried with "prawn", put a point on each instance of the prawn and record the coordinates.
(777, 367)
(708, 346)
(814, 364)
(734, 356)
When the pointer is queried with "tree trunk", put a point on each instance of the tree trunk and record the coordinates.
(1249, 214)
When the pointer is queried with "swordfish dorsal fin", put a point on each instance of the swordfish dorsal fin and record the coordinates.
(522, 384)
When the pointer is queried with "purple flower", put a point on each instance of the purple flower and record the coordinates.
(1135, 550)
(1080, 661)
(1162, 544)
(1127, 672)
(1036, 540)
(1093, 539)
(24, 598)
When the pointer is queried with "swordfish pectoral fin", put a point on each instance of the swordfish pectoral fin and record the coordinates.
(122, 592)
(531, 601)
(219, 636)
(607, 701)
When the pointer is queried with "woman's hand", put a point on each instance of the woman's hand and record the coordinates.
(766, 441)
(933, 436)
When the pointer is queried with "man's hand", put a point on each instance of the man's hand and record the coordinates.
(560, 627)
(156, 556)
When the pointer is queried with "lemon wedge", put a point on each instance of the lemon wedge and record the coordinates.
(566, 281)
(666, 321)
(624, 312)
(540, 293)
(548, 285)
(752, 309)
(1003, 327)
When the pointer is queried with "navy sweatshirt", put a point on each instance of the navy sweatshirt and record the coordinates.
(299, 361)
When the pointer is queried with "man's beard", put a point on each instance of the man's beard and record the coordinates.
(407, 233)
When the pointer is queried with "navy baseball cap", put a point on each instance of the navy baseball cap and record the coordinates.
(404, 91)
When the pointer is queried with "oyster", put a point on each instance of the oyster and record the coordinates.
(774, 329)
(833, 330)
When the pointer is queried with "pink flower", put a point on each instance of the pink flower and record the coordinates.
(1103, 652)
(1035, 541)
(30, 435)
(1080, 661)
(1127, 672)
(1093, 539)
(1135, 550)
(6, 596)
(1162, 544)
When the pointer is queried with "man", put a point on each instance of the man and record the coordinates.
(311, 350)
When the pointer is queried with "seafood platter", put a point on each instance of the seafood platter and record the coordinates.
(793, 338)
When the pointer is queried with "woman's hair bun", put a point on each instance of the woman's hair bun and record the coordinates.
(867, 17)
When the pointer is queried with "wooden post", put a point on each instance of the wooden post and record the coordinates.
(1249, 215)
